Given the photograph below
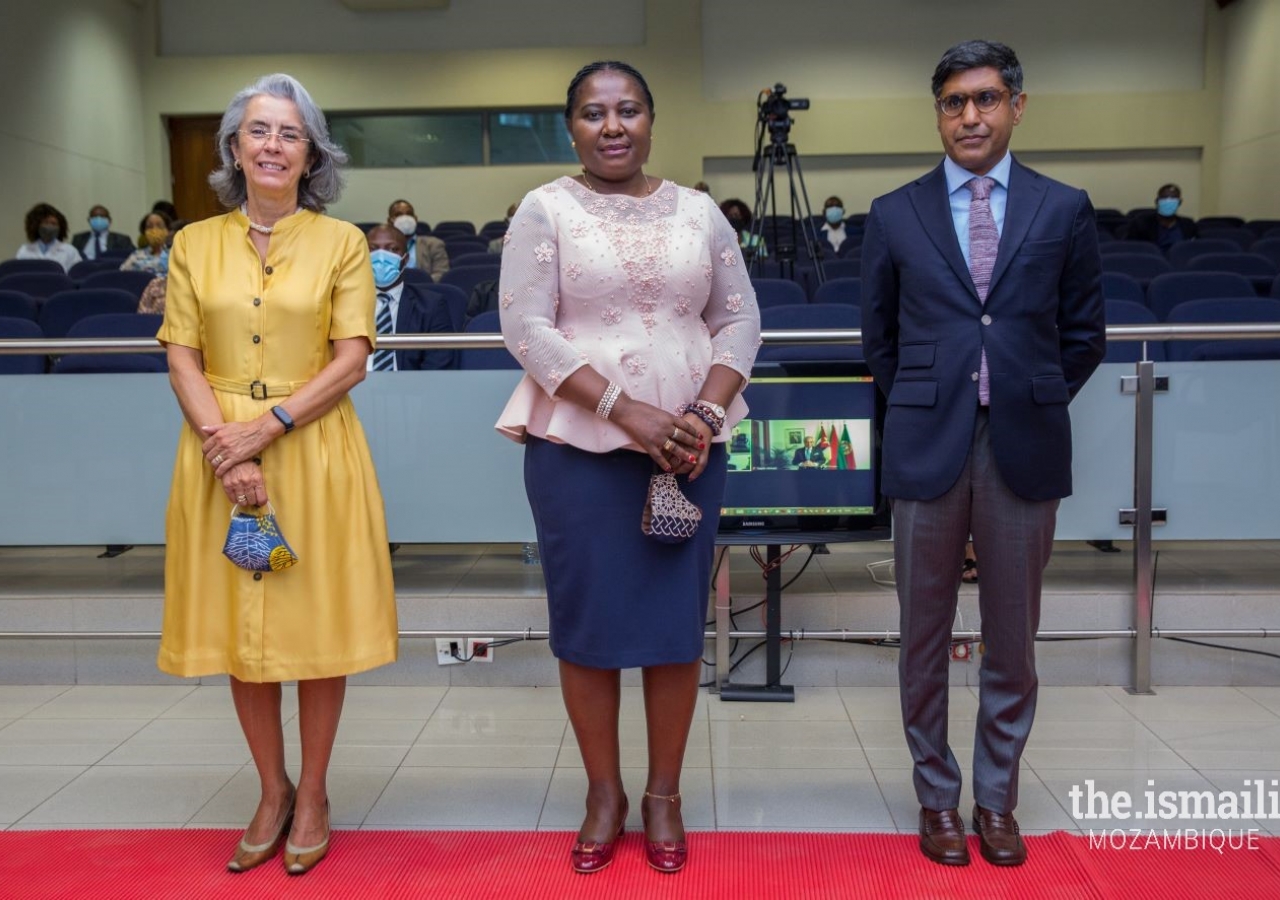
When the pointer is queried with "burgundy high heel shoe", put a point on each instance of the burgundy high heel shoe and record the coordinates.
(592, 856)
(665, 856)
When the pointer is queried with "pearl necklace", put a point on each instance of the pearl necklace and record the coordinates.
(261, 229)
(648, 189)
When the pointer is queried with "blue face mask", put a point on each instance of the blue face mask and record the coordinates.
(99, 223)
(1167, 206)
(386, 267)
(835, 215)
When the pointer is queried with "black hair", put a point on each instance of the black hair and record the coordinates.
(394, 203)
(142, 225)
(169, 211)
(1168, 187)
(979, 55)
(735, 203)
(606, 65)
(38, 214)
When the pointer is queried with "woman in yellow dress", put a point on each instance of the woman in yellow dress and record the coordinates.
(268, 324)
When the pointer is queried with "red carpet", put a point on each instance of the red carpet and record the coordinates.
(157, 865)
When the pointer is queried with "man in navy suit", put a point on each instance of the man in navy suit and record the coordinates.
(982, 316)
(404, 308)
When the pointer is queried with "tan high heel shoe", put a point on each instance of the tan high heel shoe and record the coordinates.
(248, 855)
(300, 860)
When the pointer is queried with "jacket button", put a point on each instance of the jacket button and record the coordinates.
(257, 301)
(267, 270)
(974, 376)
(986, 320)
(257, 339)
(257, 576)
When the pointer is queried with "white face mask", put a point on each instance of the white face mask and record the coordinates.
(406, 225)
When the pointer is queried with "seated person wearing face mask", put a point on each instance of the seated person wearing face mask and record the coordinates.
(833, 228)
(100, 238)
(739, 216)
(1163, 226)
(154, 257)
(425, 252)
(47, 233)
(403, 308)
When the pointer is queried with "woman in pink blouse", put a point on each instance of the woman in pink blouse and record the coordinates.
(625, 299)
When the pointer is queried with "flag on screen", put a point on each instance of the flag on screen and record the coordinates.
(845, 460)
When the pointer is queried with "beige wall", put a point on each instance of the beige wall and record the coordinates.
(72, 113)
(1250, 148)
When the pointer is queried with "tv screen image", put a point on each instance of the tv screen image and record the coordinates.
(804, 458)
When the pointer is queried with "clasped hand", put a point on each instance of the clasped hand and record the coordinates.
(231, 449)
(677, 445)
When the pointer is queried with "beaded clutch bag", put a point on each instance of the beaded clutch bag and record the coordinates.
(668, 515)
(254, 542)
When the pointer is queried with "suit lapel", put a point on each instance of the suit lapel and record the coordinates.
(933, 207)
(1026, 194)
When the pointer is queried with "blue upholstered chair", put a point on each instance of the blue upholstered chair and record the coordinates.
(1167, 291)
(133, 282)
(1118, 286)
(486, 323)
(1223, 310)
(23, 266)
(1136, 265)
(61, 311)
(1126, 312)
(1253, 266)
(777, 292)
(114, 325)
(24, 364)
(37, 284)
(17, 305)
(1146, 248)
(809, 317)
(840, 290)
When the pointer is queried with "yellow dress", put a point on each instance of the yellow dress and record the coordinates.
(334, 612)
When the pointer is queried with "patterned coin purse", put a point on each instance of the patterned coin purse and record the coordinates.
(668, 515)
(254, 542)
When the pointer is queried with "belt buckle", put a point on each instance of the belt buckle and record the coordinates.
(256, 387)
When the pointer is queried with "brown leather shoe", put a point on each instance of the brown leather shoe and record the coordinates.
(1001, 843)
(942, 837)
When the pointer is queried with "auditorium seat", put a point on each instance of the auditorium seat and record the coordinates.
(455, 300)
(465, 278)
(86, 267)
(114, 325)
(1268, 247)
(1126, 312)
(457, 246)
(1219, 222)
(417, 276)
(421, 228)
(61, 311)
(37, 284)
(495, 229)
(1260, 227)
(810, 317)
(132, 282)
(366, 227)
(1167, 291)
(1258, 269)
(1118, 286)
(475, 259)
(831, 269)
(1122, 246)
(23, 266)
(486, 323)
(1218, 311)
(840, 290)
(1242, 237)
(1136, 265)
(455, 226)
(20, 363)
(1181, 253)
(777, 292)
(17, 305)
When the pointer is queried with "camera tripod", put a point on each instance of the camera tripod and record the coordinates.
(784, 244)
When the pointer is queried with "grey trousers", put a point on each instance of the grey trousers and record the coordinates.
(1013, 539)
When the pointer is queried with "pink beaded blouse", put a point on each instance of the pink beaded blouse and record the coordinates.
(651, 292)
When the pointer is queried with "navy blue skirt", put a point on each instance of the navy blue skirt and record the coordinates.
(618, 599)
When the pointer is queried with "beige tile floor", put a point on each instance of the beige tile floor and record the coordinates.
(505, 758)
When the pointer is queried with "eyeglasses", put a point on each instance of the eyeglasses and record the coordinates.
(986, 101)
(261, 136)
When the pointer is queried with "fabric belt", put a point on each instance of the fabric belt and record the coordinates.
(256, 389)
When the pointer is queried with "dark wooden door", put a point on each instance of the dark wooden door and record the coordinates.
(192, 156)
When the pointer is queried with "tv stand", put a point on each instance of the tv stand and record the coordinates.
(772, 690)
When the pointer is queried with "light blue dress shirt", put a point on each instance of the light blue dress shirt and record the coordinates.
(960, 197)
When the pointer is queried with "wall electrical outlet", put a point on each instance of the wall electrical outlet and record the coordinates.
(448, 651)
(962, 652)
(479, 649)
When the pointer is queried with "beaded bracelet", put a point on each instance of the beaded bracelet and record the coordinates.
(706, 416)
(608, 399)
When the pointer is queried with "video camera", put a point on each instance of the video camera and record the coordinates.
(774, 111)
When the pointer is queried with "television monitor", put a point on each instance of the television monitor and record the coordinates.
(805, 458)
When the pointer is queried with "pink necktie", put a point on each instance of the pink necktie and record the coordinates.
(984, 244)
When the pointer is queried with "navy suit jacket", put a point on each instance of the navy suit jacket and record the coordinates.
(924, 329)
(115, 241)
(422, 312)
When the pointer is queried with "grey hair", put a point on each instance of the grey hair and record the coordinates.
(316, 190)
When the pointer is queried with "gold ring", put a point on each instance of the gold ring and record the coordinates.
(668, 445)
(675, 433)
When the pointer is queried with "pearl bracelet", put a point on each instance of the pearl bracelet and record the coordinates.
(608, 399)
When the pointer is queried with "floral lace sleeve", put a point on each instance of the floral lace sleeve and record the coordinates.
(529, 291)
(731, 313)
